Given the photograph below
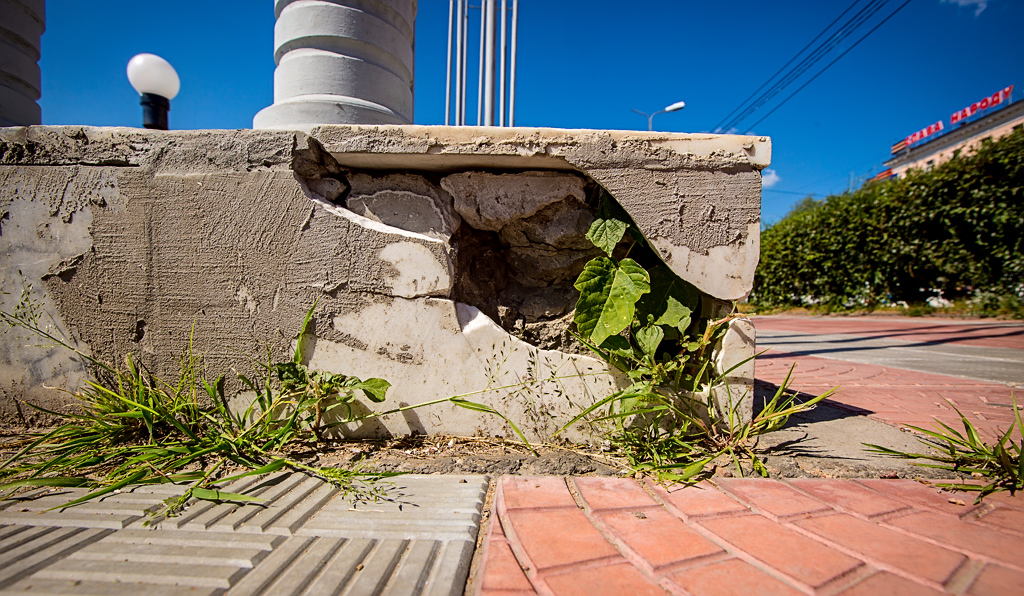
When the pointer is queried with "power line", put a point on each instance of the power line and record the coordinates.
(838, 58)
(795, 56)
(845, 30)
(808, 61)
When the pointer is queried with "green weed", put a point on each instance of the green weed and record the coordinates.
(133, 428)
(641, 321)
(1000, 464)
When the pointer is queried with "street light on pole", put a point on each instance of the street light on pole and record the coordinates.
(650, 117)
(157, 83)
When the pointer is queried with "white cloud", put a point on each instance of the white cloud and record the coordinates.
(769, 178)
(981, 4)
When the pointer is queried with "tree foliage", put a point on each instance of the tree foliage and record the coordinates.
(957, 228)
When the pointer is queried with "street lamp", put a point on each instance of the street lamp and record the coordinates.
(157, 82)
(650, 117)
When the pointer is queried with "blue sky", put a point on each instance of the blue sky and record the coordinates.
(586, 64)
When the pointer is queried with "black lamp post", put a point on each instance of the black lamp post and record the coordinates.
(157, 83)
(154, 111)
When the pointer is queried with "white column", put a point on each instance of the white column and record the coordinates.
(341, 62)
(21, 26)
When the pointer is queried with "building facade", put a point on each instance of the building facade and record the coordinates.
(965, 130)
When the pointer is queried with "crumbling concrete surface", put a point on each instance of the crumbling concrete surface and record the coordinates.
(440, 259)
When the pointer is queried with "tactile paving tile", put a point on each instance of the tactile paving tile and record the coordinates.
(113, 511)
(304, 538)
(418, 507)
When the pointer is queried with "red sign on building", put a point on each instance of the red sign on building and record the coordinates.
(958, 116)
(995, 99)
(924, 132)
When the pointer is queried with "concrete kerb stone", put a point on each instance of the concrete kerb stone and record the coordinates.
(240, 231)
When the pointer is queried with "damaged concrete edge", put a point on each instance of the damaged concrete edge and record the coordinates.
(443, 148)
(696, 197)
(416, 270)
(733, 360)
(158, 151)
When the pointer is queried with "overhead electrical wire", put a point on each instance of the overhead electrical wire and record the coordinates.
(829, 65)
(844, 31)
(748, 107)
(778, 72)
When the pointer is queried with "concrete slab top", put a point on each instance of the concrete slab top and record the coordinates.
(447, 148)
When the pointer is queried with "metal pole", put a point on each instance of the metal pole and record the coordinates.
(512, 73)
(465, 57)
(448, 74)
(480, 79)
(459, 50)
(504, 52)
(489, 68)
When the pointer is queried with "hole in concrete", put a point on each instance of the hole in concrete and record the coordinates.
(140, 330)
(526, 287)
(517, 238)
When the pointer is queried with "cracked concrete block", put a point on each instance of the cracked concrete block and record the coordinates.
(45, 224)
(539, 267)
(433, 348)
(490, 201)
(129, 238)
(329, 189)
(405, 201)
(561, 225)
(695, 197)
(734, 355)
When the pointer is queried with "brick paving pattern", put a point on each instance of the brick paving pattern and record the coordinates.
(893, 395)
(748, 536)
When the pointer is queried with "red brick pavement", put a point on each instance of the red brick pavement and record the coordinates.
(988, 334)
(895, 396)
(598, 536)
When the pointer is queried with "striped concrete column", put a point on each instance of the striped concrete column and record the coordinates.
(341, 62)
(21, 26)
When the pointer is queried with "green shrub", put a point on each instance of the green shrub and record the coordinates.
(957, 229)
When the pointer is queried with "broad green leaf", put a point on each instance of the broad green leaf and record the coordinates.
(606, 233)
(649, 339)
(608, 295)
(619, 346)
(670, 302)
(375, 389)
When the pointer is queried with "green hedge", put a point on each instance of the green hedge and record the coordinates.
(957, 228)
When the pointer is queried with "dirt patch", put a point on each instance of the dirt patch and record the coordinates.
(827, 442)
(440, 454)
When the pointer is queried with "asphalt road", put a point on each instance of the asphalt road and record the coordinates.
(983, 350)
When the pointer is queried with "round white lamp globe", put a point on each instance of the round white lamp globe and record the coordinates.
(149, 73)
